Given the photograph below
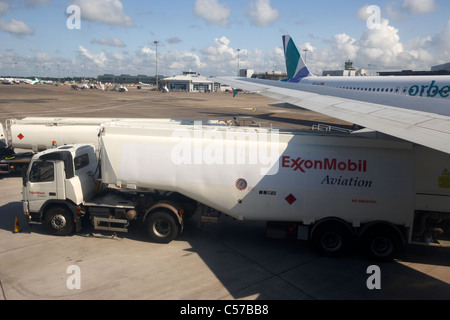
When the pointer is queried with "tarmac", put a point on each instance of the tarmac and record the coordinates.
(61, 101)
(226, 261)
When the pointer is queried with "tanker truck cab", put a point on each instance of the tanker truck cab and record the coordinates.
(56, 183)
(62, 186)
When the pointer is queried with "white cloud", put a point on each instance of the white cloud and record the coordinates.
(441, 42)
(112, 42)
(273, 60)
(220, 58)
(399, 10)
(147, 51)
(345, 46)
(184, 60)
(221, 48)
(212, 11)
(430, 50)
(87, 57)
(169, 62)
(41, 57)
(16, 27)
(419, 6)
(382, 49)
(362, 13)
(220, 55)
(445, 37)
(261, 13)
(106, 11)
(380, 45)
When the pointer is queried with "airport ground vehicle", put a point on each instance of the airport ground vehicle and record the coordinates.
(332, 189)
(34, 134)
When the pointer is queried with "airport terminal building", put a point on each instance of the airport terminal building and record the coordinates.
(190, 81)
(126, 78)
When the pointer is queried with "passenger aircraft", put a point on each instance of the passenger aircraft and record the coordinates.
(413, 108)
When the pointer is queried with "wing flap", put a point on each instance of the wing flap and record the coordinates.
(440, 125)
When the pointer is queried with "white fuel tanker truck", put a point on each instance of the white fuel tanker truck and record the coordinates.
(332, 189)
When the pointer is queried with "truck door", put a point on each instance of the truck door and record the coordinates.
(2, 137)
(45, 182)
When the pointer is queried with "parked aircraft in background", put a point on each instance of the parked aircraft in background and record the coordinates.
(415, 109)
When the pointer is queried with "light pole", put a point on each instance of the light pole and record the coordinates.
(156, 43)
(305, 51)
(238, 51)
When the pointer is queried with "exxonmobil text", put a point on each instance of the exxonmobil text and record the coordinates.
(302, 165)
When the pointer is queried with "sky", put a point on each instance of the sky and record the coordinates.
(84, 38)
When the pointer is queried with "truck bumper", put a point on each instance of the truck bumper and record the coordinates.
(26, 211)
(4, 167)
(30, 218)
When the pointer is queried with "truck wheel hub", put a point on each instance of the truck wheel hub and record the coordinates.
(58, 222)
(331, 241)
(161, 228)
(382, 246)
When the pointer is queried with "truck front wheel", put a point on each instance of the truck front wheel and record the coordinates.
(59, 221)
(161, 227)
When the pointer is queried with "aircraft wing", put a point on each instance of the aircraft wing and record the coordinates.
(398, 119)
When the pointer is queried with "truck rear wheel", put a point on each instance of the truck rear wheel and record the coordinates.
(381, 243)
(331, 239)
(161, 227)
(59, 221)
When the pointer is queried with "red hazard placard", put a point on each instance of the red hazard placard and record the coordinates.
(291, 199)
(20, 136)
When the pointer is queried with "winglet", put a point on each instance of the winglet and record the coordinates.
(235, 92)
(295, 65)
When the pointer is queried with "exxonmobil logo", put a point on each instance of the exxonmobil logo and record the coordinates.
(302, 165)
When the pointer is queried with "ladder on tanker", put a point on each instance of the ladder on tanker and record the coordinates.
(8, 133)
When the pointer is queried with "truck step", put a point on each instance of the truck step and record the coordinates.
(110, 224)
(212, 219)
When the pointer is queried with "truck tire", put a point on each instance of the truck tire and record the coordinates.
(381, 243)
(161, 227)
(59, 221)
(331, 239)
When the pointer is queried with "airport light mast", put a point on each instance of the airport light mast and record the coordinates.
(156, 43)
(238, 51)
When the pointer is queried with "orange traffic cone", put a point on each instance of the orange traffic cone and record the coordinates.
(17, 228)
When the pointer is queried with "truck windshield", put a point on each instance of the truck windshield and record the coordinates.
(42, 171)
(81, 161)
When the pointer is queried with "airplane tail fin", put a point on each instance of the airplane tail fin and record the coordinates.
(295, 65)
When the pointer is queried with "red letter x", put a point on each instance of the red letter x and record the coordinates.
(297, 164)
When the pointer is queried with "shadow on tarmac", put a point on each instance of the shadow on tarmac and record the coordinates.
(272, 118)
(250, 265)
